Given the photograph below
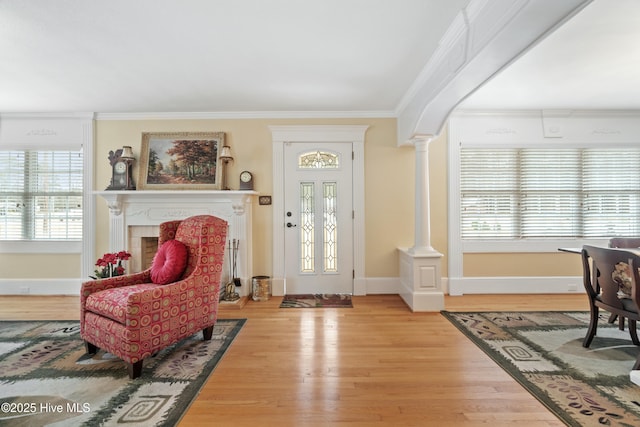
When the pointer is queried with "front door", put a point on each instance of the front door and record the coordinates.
(318, 218)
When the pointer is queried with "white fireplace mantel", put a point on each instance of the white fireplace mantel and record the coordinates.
(150, 208)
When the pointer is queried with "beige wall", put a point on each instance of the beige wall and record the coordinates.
(521, 264)
(389, 199)
(39, 266)
(389, 187)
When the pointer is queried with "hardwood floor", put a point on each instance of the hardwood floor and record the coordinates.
(377, 364)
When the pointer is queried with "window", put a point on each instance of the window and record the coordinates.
(318, 160)
(527, 193)
(41, 195)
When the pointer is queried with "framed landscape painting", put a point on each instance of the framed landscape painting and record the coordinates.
(180, 161)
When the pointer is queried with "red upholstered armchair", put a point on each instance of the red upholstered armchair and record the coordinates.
(132, 317)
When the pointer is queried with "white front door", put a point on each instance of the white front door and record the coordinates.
(318, 218)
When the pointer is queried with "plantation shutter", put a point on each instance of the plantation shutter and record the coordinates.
(550, 193)
(489, 192)
(41, 195)
(523, 193)
(611, 180)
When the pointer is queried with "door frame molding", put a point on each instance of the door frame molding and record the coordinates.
(325, 134)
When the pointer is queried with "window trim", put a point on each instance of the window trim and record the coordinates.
(65, 131)
(526, 245)
(594, 197)
(492, 245)
(525, 129)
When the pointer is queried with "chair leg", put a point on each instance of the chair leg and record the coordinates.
(632, 332)
(637, 365)
(620, 319)
(207, 333)
(593, 326)
(134, 369)
(90, 348)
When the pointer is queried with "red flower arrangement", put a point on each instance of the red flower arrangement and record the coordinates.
(111, 265)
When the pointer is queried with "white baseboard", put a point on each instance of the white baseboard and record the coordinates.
(516, 285)
(40, 286)
(370, 286)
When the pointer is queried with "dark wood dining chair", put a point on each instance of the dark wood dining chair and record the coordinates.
(624, 242)
(629, 243)
(605, 272)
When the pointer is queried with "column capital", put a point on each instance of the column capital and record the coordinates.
(422, 137)
(418, 140)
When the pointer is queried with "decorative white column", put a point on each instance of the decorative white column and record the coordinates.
(422, 239)
(420, 266)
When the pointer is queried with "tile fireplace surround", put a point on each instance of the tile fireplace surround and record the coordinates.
(134, 215)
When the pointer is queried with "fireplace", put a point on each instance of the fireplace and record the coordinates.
(143, 245)
(135, 216)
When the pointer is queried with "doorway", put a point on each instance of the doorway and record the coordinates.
(288, 252)
(318, 218)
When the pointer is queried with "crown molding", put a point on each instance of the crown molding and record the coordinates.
(37, 115)
(208, 115)
(472, 112)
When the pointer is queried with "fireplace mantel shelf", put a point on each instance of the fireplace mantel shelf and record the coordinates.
(115, 199)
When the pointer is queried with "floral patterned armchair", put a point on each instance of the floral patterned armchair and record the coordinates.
(132, 317)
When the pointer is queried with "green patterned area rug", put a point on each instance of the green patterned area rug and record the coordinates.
(47, 379)
(543, 352)
(316, 301)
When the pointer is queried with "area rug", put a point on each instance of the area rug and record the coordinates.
(543, 352)
(316, 301)
(47, 379)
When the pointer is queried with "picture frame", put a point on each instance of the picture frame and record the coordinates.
(180, 161)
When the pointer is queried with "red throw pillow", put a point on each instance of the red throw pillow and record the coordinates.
(169, 262)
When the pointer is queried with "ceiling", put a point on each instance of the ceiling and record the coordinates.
(357, 57)
(591, 62)
(215, 55)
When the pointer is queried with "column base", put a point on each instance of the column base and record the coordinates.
(422, 251)
(421, 279)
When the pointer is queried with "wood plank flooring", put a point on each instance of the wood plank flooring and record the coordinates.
(377, 364)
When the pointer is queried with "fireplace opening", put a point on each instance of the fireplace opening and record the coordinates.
(143, 245)
(148, 249)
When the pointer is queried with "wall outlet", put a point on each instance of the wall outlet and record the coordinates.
(24, 290)
(572, 288)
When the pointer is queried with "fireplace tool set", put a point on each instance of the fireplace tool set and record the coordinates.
(230, 293)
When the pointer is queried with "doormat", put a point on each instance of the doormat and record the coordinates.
(317, 301)
(543, 352)
(47, 378)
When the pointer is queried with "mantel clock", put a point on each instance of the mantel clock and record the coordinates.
(121, 169)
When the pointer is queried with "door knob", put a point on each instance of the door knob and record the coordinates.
(290, 225)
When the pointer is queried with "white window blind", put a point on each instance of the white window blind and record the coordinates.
(523, 193)
(41, 195)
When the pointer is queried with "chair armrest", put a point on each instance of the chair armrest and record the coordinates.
(93, 286)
